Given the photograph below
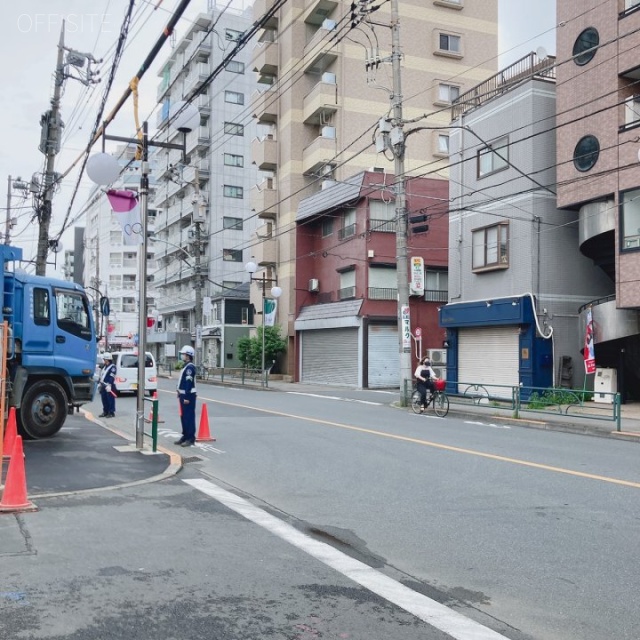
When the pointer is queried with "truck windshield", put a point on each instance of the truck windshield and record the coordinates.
(73, 313)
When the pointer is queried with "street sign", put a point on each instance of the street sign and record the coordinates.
(418, 332)
(198, 336)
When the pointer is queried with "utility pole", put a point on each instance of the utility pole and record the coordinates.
(52, 128)
(197, 218)
(402, 270)
(7, 226)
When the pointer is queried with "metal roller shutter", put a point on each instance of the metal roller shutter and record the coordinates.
(330, 356)
(489, 355)
(384, 358)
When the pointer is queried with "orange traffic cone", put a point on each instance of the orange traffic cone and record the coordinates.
(10, 434)
(203, 429)
(150, 418)
(14, 497)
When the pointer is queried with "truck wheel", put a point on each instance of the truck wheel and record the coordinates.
(43, 410)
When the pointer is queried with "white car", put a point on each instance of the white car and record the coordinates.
(127, 372)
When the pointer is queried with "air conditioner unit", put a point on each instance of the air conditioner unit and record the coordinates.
(328, 132)
(437, 356)
(441, 372)
(327, 184)
(329, 25)
(376, 169)
(314, 285)
(329, 78)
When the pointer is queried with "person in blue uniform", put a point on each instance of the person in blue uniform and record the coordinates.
(108, 387)
(187, 398)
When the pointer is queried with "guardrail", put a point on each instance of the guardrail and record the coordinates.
(237, 375)
(539, 400)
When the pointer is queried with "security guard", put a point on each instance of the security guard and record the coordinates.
(108, 387)
(187, 398)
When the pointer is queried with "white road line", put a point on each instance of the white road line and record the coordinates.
(319, 395)
(490, 424)
(426, 609)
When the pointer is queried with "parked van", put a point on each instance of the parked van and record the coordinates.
(127, 372)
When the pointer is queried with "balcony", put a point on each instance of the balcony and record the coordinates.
(189, 174)
(204, 106)
(265, 106)
(317, 11)
(165, 85)
(266, 60)
(319, 153)
(321, 102)
(198, 139)
(260, 8)
(383, 226)
(265, 252)
(378, 293)
(197, 76)
(264, 199)
(320, 52)
(200, 49)
(265, 153)
(346, 293)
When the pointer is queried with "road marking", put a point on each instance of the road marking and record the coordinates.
(436, 445)
(424, 608)
(485, 424)
(319, 395)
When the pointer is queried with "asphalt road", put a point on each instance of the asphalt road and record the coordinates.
(532, 534)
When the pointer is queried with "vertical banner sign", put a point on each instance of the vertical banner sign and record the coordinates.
(406, 328)
(417, 276)
(588, 351)
(270, 307)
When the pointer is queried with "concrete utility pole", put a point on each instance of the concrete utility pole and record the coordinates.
(7, 226)
(52, 128)
(399, 147)
(197, 218)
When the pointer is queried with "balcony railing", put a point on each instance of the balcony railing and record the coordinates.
(433, 295)
(384, 226)
(347, 232)
(380, 293)
(346, 293)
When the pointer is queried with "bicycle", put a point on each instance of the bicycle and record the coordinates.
(437, 398)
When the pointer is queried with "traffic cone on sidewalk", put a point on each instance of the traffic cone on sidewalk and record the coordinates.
(203, 429)
(150, 418)
(10, 434)
(14, 496)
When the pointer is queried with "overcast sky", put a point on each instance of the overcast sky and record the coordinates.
(29, 33)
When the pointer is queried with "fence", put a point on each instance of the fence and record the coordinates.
(521, 400)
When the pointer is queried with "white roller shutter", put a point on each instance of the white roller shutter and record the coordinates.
(384, 357)
(489, 356)
(330, 356)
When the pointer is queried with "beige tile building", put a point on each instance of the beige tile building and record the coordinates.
(326, 84)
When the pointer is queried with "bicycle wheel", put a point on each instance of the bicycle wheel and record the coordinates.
(416, 403)
(441, 404)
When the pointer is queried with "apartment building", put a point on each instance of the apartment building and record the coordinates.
(325, 84)
(110, 266)
(211, 186)
(598, 119)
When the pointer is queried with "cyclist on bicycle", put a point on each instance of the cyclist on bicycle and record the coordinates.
(425, 379)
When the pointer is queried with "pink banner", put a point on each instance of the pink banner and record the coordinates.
(588, 351)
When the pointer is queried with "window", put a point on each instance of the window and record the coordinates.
(383, 283)
(232, 223)
(232, 255)
(233, 129)
(129, 282)
(233, 160)
(347, 284)
(327, 227)
(115, 260)
(115, 282)
(493, 157)
(382, 216)
(436, 286)
(632, 111)
(232, 34)
(630, 220)
(73, 313)
(448, 43)
(235, 67)
(348, 224)
(41, 311)
(234, 97)
(229, 284)
(115, 237)
(585, 46)
(244, 315)
(447, 93)
(231, 191)
(586, 153)
(490, 247)
(443, 144)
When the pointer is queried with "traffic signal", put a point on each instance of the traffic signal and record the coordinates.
(416, 220)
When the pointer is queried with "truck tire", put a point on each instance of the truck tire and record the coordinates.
(43, 410)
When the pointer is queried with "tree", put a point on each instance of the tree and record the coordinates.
(250, 349)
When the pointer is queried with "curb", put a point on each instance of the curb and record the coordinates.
(174, 466)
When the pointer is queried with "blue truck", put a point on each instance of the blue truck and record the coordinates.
(51, 347)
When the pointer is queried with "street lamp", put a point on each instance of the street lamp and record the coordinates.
(103, 169)
(276, 292)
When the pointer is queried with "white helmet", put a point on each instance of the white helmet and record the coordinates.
(107, 356)
(188, 350)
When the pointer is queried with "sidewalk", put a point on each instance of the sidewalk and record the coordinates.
(87, 456)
